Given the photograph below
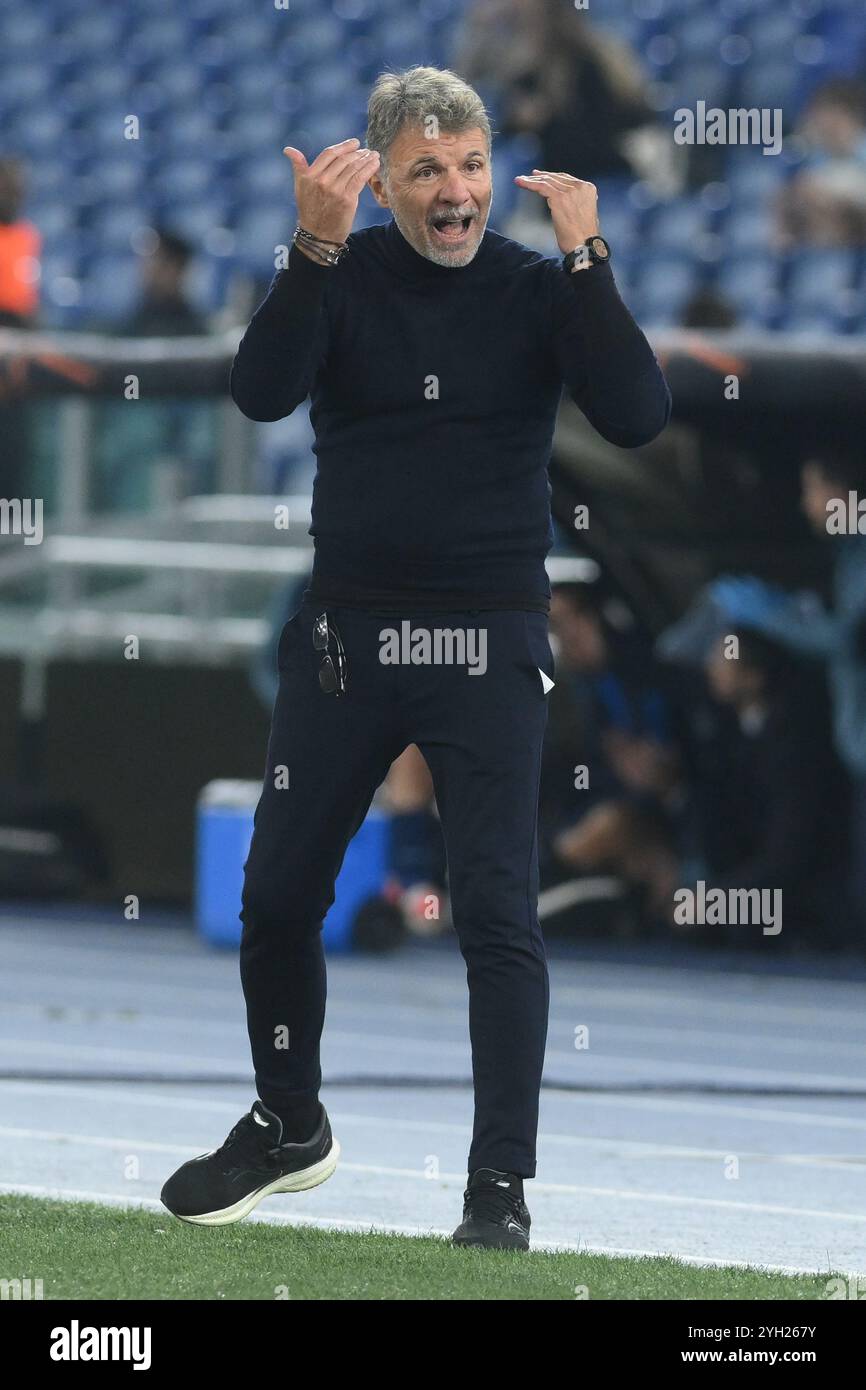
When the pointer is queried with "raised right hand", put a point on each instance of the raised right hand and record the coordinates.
(327, 191)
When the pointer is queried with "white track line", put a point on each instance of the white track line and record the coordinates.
(658, 1068)
(129, 1144)
(106, 1092)
(615, 1146)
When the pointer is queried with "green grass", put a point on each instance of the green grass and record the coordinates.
(85, 1251)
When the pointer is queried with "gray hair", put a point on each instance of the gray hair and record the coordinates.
(414, 97)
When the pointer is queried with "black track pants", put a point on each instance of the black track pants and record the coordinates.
(481, 736)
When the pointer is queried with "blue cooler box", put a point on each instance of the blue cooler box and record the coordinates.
(224, 827)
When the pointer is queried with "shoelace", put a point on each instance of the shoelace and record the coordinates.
(492, 1203)
(245, 1141)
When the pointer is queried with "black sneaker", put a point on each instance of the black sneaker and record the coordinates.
(225, 1185)
(495, 1216)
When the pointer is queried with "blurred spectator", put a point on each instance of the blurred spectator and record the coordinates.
(770, 809)
(825, 202)
(754, 798)
(164, 309)
(549, 73)
(836, 636)
(416, 860)
(150, 452)
(610, 715)
(707, 308)
(20, 248)
(778, 818)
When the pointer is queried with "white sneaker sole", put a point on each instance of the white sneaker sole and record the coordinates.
(291, 1182)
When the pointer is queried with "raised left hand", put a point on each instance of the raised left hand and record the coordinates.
(573, 205)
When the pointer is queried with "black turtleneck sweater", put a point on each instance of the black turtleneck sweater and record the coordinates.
(434, 396)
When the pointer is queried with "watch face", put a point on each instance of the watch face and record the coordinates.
(598, 247)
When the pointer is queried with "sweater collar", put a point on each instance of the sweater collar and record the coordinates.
(407, 261)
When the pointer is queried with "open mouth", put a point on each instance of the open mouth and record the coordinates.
(451, 230)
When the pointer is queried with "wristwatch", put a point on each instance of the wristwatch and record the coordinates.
(595, 250)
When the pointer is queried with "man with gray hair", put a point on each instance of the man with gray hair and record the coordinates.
(435, 352)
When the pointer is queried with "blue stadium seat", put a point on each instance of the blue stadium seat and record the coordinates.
(184, 178)
(23, 83)
(318, 38)
(260, 132)
(753, 178)
(402, 41)
(219, 91)
(819, 280)
(46, 180)
(768, 83)
(260, 229)
(56, 220)
(24, 33)
(700, 81)
(663, 284)
(701, 36)
(247, 84)
(174, 80)
(97, 29)
(189, 130)
(37, 129)
(327, 83)
(196, 220)
(852, 310)
(110, 286)
(159, 38)
(774, 31)
(678, 224)
(620, 224)
(267, 177)
(355, 16)
(746, 229)
(750, 282)
(114, 225)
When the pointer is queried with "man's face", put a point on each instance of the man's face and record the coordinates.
(439, 192)
(816, 490)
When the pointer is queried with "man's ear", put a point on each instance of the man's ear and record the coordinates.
(377, 188)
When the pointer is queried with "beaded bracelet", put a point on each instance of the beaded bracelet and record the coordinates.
(326, 252)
